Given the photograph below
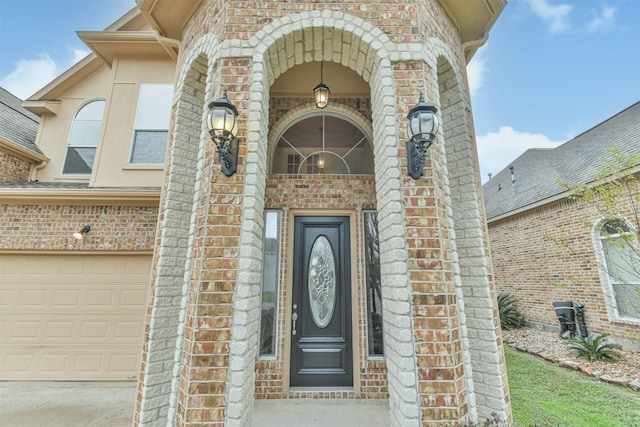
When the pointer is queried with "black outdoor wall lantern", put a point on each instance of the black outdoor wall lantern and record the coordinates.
(222, 123)
(421, 129)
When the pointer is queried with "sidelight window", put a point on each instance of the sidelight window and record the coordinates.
(373, 284)
(270, 275)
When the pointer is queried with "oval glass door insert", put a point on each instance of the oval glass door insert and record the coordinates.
(322, 282)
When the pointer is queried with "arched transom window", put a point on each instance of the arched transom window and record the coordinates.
(323, 143)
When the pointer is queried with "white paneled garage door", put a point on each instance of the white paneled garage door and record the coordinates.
(72, 317)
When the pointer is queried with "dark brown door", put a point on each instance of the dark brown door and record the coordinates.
(321, 348)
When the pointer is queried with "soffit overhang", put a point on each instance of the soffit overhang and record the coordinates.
(168, 17)
(474, 19)
(109, 45)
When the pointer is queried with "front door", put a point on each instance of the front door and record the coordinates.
(321, 347)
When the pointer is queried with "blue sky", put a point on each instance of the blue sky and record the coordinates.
(550, 70)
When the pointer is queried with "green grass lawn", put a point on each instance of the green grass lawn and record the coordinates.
(543, 394)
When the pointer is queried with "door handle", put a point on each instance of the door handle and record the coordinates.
(294, 317)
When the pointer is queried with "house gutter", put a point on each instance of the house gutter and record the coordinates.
(473, 46)
(526, 208)
(169, 44)
(559, 196)
(146, 197)
(18, 150)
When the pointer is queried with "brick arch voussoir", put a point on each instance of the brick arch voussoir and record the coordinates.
(439, 56)
(178, 218)
(209, 46)
(327, 29)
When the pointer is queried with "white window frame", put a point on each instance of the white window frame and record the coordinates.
(155, 123)
(605, 279)
(74, 123)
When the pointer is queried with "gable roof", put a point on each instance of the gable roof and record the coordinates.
(17, 125)
(574, 162)
(46, 100)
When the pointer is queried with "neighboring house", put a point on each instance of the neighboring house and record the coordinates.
(18, 129)
(529, 214)
(319, 269)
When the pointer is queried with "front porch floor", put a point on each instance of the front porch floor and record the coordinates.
(321, 412)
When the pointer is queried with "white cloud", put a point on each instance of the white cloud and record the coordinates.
(605, 20)
(497, 149)
(554, 15)
(476, 70)
(78, 54)
(31, 75)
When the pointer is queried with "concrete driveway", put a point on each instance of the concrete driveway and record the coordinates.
(67, 404)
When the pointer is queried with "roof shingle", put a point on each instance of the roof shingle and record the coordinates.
(17, 124)
(574, 162)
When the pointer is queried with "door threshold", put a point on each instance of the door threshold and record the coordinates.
(321, 389)
(327, 392)
(344, 388)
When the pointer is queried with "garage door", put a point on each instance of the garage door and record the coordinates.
(72, 317)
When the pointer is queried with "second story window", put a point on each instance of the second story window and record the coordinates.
(83, 139)
(151, 128)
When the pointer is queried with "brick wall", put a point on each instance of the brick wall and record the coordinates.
(538, 271)
(402, 22)
(48, 227)
(14, 168)
(245, 55)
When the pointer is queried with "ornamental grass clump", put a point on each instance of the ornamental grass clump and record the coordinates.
(596, 347)
(510, 317)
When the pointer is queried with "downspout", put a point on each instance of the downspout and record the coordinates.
(36, 168)
(169, 44)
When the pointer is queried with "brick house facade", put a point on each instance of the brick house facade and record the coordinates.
(522, 214)
(201, 363)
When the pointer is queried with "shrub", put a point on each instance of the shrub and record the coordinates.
(595, 347)
(510, 317)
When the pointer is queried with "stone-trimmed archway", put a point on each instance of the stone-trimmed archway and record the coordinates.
(476, 291)
(311, 36)
(174, 250)
(286, 42)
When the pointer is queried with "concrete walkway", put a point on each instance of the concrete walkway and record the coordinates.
(111, 404)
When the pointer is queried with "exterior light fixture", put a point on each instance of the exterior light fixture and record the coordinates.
(321, 92)
(222, 123)
(421, 129)
(79, 235)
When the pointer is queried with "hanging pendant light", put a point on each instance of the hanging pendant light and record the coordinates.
(321, 92)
